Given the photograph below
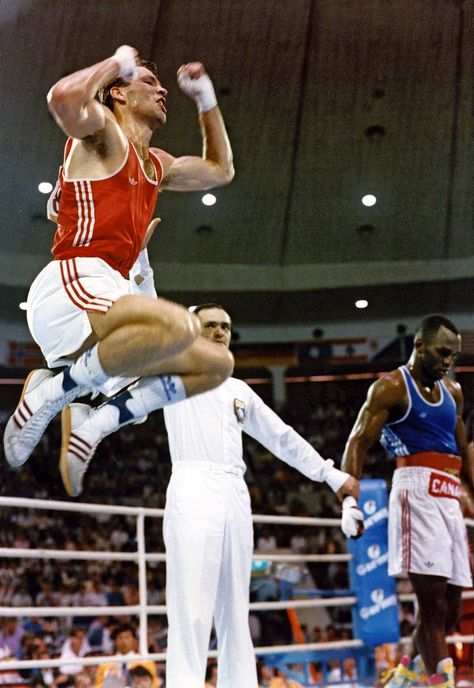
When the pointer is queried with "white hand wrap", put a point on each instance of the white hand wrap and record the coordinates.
(126, 56)
(200, 90)
(352, 517)
(141, 276)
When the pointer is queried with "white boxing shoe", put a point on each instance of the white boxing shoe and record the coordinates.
(29, 420)
(81, 435)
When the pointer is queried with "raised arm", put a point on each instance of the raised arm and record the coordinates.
(72, 99)
(215, 167)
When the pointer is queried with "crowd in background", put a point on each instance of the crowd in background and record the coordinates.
(132, 467)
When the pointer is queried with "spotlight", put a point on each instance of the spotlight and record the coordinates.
(209, 199)
(369, 200)
(45, 187)
(361, 303)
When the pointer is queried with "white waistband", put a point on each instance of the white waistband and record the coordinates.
(418, 476)
(208, 467)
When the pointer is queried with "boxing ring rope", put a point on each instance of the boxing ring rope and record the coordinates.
(142, 610)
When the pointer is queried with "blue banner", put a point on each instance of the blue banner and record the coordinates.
(376, 613)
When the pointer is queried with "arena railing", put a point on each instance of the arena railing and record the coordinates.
(141, 557)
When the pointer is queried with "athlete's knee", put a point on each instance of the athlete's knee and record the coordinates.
(220, 368)
(169, 325)
(225, 366)
(183, 329)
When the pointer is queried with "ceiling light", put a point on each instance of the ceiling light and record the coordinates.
(209, 199)
(361, 303)
(369, 200)
(45, 187)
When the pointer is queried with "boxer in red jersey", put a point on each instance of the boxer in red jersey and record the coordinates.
(81, 310)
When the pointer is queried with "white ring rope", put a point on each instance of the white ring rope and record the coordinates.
(141, 557)
(39, 553)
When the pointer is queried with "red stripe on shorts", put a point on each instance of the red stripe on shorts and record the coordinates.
(406, 532)
(96, 299)
(76, 292)
(72, 292)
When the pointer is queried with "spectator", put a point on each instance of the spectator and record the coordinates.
(114, 594)
(125, 642)
(73, 647)
(46, 597)
(140, 677)
(21, 597)
(266, 542)
(11, 635)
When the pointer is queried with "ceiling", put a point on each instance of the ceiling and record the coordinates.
(325, 101)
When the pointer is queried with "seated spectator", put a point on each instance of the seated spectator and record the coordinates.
(10, 677)
(265, 674)
(34, 624)
(46, 597)
(131, 594)
(21, 597)
(98, 635)
(266, 542)
(268, 677)
(114, 595)
(140, 677)
(73, 647)
(125, 643)
(11, 634)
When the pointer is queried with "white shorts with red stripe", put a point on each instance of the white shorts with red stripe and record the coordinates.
(427, 533)
(60, 298)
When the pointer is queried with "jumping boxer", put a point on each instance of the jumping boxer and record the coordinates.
(79, 308)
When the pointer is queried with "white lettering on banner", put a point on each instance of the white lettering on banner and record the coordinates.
(376, 518)
(373, 551)
(370, 506)
(373, 609)
(444, 486)
(363, 569)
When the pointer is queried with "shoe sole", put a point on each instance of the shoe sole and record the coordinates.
(65, 437)
(12, 422)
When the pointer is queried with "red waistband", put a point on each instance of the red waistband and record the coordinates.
(449, 463)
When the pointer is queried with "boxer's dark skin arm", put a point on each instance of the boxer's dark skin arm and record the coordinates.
(386, 399)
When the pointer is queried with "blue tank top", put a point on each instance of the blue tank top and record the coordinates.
(425, 426)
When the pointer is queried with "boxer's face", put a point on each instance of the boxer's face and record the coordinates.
(145, 95)
(216, 325)
(439, 353)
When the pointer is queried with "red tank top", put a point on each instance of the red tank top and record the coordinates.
(106, 218)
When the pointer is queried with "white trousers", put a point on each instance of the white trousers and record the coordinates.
(208, 536)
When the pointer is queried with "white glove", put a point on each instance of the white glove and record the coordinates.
(199, 89)
(352, 518)
(126, 56)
